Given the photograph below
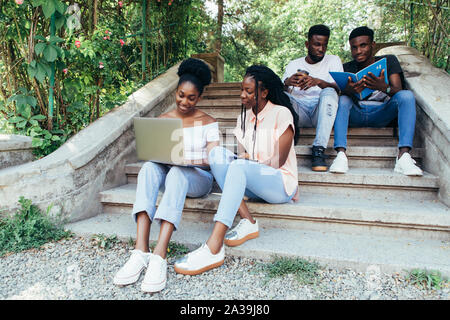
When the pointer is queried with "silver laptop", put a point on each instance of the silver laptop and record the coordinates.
(160, 140)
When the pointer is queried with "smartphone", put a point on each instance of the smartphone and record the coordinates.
(303, 71)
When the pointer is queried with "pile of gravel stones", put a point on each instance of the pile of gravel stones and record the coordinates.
(78, 269)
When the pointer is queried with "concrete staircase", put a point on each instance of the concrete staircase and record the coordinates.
(369, 216)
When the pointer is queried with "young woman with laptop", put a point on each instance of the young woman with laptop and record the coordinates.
(266, 168)
(201, 134)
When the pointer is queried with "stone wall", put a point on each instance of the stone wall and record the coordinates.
(431, 87)
(14, 150)
(91, 161)
(216, 64)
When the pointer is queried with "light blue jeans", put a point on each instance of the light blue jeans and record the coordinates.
(178, 182)
(239, 177)
(402, 105)
(317, 113)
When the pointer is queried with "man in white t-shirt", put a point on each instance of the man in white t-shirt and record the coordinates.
(313, 92)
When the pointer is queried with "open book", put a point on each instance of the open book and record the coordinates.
(341, 78)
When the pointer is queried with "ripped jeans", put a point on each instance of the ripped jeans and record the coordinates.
(317, 113)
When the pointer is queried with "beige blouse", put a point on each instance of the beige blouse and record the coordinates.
(273, 121)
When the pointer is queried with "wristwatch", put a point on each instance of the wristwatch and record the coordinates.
(388, 89)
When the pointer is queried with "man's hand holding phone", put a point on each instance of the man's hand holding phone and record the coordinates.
(297, 78)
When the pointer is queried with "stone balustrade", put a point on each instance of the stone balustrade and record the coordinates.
(15, 150)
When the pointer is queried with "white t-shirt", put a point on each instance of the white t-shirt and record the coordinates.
(318, 70)
(196, 138)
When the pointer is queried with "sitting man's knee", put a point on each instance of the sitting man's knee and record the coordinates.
(405, 95)
(328, 92)
(345, 101)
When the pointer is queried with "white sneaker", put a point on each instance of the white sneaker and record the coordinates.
(340, 163)
(199, 261)
(406, 165)
(245, 230)
(156, 275)
(132, 269)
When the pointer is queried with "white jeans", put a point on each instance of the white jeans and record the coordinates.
(317, 113)
(178, 183)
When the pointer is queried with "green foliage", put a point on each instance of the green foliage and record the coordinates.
(273, 32)
(103, 241)
(26, 122)
(305, 272)
(95, 54)
(96, 61)
(174, 250)
(426, 279)
(29, 228)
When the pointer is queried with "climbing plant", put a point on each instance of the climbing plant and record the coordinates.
(63, 64)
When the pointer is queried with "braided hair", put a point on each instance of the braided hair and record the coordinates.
(270, 81)
(194, 71)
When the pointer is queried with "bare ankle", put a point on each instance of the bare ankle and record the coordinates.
(214, 246)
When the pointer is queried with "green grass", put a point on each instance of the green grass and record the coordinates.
(426, 279)
(174, 250)
(103, 241)
(306, 272)
(29, 228)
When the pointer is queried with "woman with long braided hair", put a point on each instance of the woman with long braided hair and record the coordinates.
(266, 168)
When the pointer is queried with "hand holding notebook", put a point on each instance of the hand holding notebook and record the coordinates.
(373, 74)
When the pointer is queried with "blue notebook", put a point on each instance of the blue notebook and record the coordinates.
(341, 78)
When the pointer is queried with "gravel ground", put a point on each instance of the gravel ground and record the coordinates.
(77, 269)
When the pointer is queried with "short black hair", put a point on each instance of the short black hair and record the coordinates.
(194, 71)
(318, 29)
(361, 31)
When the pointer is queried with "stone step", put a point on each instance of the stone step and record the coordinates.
(223, 85)
(358, 156)
(369, 183)
(355, 137)
(409, 218)
(370, 137)
(221, 93)
(210, 105)
(331, 249)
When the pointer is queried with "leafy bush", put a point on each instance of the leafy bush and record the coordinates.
(29, 228)
(92, 50)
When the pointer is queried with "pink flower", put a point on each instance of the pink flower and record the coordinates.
(104, 38)
(77, 43)
(65, 70)
(122, 42)
(100, 65)
(120, 4)
(19, 1)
